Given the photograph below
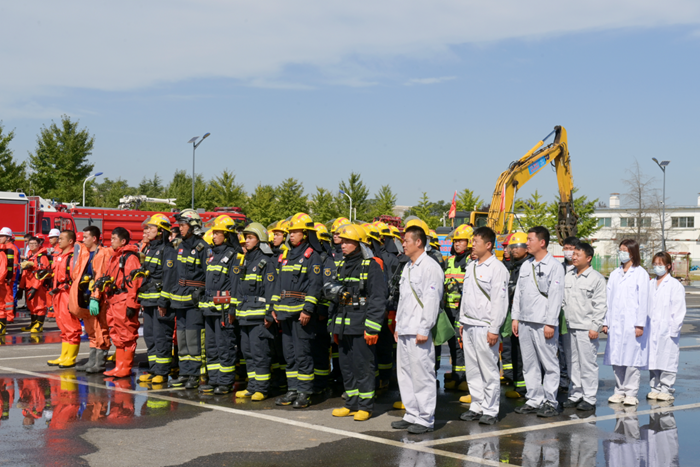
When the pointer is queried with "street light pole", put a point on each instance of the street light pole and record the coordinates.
(662, 165)
(194, 148)
(86, 180)
(342, 192)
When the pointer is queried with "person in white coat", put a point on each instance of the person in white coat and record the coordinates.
(483, 310)
(666, 314)
(626, 350)
(536, 307)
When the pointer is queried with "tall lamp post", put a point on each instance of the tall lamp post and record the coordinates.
(343, 193)
(86, 180)
(662, 165)
(195, 144)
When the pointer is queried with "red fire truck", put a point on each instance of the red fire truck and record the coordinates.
(31, 215)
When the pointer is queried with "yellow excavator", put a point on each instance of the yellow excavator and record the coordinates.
(500, 216)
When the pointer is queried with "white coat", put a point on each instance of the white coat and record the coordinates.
(627, 307)
(666, 314)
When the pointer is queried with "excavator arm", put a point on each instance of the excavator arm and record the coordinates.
(500, 217)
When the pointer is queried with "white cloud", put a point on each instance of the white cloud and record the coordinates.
(442, 79)
(134, 44)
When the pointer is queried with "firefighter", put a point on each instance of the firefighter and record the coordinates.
(90, 262)
(360, 294)
(337, 253)
(301, 287)
(183, 287)
(67, 323)
(256, 295)
(35, 270)
(279, 232)
(157, 329)
(16, 275)
(454, 280)
(435, 249)
(321, 345)
(51, 250)
(221, 340)
(511, 358)
(122, 301)
(280, 250)
(6, 292)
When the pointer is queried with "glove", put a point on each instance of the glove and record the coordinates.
(95, 307)
(131, 312)
(26, 265)
(392, 321)
(30, 293)
(371, 339)
(20, 292)
(335, 339)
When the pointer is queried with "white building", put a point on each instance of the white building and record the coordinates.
(682, 226)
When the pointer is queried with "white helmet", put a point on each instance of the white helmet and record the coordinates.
(6, 231)
(54, 233)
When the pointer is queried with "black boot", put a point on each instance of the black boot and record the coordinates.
(302, 401)
(192, 382)
(178, 382)
(220, 390)
(90, 363)
(100, 364)
(287, 399)
(205, 388)
(31, 325)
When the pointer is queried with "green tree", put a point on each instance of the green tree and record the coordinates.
(532, 212)
(467, 201)
(225, 192)
(426, 211)
(587, 223)
(261, 205)
(181, 188)
(153, 188)
(290, 198)
(323, 206)
(108, 193)
(13, 176)
(357, 190)
(60, 160)
(383, 203)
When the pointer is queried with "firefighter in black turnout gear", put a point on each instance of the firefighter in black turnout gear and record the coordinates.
(360, 294)
(337, 253)
(300, 289)
(183, 289)
(255, 295)
(321, 345)
(157, 329)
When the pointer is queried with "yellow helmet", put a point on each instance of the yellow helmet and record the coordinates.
(241, 238)
(518, 239)
(223, 223)
(383, 229)
(159, 220)
(413, 221)
(432, 234)
(279, 226)
(372, 232)
(300, 221)
(270, 236)
(352, 232)
(463, 232)
(209, 237)
(322, 232)
(339, 222)
(395, 231)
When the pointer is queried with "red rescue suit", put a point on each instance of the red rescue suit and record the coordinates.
(35, 289)
(124, 330)
(6, 280)
(67, 322)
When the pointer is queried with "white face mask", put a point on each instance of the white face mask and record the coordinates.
(568, 255)
(624, 256)
(659, 270)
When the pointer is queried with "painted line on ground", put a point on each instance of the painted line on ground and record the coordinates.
(38, 356)
(550, 425)
(420, 447)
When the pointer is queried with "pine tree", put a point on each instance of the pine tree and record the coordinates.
(108, 193)
(261, 205)
(425, 211)
(532, 212)
(13, 176)
(290, 199)
(323, 206)
(383, 203)
(467, 201)
(225, 192)
(587, 224)
(357, 190)
(181, 188)
(60, 161)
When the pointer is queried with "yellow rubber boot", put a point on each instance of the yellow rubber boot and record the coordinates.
(3, 328)
(513, 394)
(452, 384)
(399, 405)
(463, 386)
(56, 362)
(362, 416)
(146, 378)
(37, 328)
(258, 396)
(243, 394)
(343, 412)
(71, 355)
(159, 379)
(466, 399)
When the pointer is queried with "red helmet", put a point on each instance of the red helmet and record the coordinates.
(79, 237)
(41, 237)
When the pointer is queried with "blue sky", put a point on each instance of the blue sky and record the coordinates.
(424, 96)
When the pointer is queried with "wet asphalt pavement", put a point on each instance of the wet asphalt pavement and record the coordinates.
(60, 417)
